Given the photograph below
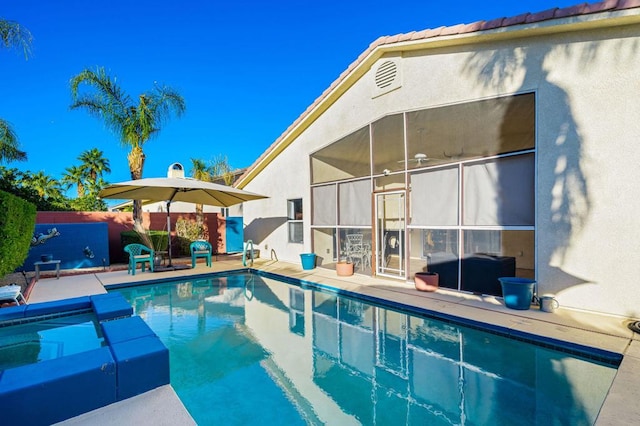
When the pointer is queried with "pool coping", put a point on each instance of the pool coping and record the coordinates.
(584, 329)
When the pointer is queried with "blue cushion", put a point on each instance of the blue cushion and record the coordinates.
(124, 329)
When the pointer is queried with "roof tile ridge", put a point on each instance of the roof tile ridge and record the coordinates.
(600, 6)
(472, 27)
(493, 24)
(574, 10)
(544, 15)
(453, 29)
(516, 20)
(628, 4)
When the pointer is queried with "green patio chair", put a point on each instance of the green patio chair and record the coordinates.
(139, 253)
(198, 249)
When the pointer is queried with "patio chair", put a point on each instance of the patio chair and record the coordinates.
(139, 253)
(356, 250)
(12, 292)
(198, 249)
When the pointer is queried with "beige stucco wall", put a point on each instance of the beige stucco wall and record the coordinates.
(588, 123)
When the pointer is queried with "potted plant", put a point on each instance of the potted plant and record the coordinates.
(154, 242)
(426, 281)
(344, 268)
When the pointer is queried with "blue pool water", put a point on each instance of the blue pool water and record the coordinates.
(42, 339)
(246, 349)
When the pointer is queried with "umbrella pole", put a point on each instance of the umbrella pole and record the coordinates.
(169, 231)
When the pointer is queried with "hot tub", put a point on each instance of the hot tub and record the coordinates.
(64, 358)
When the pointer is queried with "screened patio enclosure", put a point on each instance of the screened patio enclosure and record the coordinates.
(448, 189)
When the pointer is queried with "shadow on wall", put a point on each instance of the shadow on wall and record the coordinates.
(259, 229)
(567, 210)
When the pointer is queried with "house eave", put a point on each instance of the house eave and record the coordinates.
(444, 37)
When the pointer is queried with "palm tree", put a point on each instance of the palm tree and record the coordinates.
(94, 164)
(200, 171)
(12, 35)
(220, 169)
(9, 144)
(75, 175)
(44, 185)
(134, 123)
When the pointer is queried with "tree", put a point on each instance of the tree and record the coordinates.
(134, 123)
(12, 35)
(200, 171)
(75, 175)
(45, 185)
(21, 184)
(9, 144)
(221, 169)
(94, 164)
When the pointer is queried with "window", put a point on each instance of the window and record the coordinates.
(294, 220)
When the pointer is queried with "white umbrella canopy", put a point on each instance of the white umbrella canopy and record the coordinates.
(178, 189)
(171, 189)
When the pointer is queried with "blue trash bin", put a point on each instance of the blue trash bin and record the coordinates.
(517, 293)
(308, 260)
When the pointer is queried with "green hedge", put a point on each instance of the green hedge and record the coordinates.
(17, 225)
(159, 239)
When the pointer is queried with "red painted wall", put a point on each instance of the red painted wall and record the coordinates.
(118, 222)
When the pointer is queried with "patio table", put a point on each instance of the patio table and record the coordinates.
(39, 263)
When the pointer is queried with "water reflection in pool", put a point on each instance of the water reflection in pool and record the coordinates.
(251, 350)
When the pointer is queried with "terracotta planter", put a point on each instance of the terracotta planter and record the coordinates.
(344, 269)
(426, 281)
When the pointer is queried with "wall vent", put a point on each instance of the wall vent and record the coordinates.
(386, 74)
(387, 77)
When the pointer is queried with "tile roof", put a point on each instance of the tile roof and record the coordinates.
(459, 29)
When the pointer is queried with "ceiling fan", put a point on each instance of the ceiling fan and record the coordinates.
(419, 158)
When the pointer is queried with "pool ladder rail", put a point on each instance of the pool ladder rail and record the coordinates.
(247, 244)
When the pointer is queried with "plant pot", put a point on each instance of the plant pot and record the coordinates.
(517, 293)
(344, 269)
(308, 260)
(157, 260)
(426, 281)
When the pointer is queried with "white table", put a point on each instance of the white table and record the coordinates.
(51, 262)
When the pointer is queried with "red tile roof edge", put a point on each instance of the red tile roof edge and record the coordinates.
(524, 18)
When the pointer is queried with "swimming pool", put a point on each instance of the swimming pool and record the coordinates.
(247, 349)
(48, 338)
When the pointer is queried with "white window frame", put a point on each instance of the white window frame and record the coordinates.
(294, 217)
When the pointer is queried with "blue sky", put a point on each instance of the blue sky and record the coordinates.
(247, 69)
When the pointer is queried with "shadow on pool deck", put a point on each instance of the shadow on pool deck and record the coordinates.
(582, 328)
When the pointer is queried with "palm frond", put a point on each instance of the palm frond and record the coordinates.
(12, 34)
(9, 150)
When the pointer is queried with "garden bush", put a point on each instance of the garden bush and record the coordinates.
(17, 225)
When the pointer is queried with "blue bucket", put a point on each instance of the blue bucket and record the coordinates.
(517, 292)
(308, 260)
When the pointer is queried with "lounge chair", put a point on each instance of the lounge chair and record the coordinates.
(12, 292)
(198, 249)
(139, 253)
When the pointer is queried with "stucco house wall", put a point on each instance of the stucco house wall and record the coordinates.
(585, 79)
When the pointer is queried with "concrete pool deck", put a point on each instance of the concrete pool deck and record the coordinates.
(162, 405)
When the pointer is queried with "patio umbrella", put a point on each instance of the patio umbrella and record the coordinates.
(171, 189)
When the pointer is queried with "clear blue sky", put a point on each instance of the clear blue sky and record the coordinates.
(247, 69)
